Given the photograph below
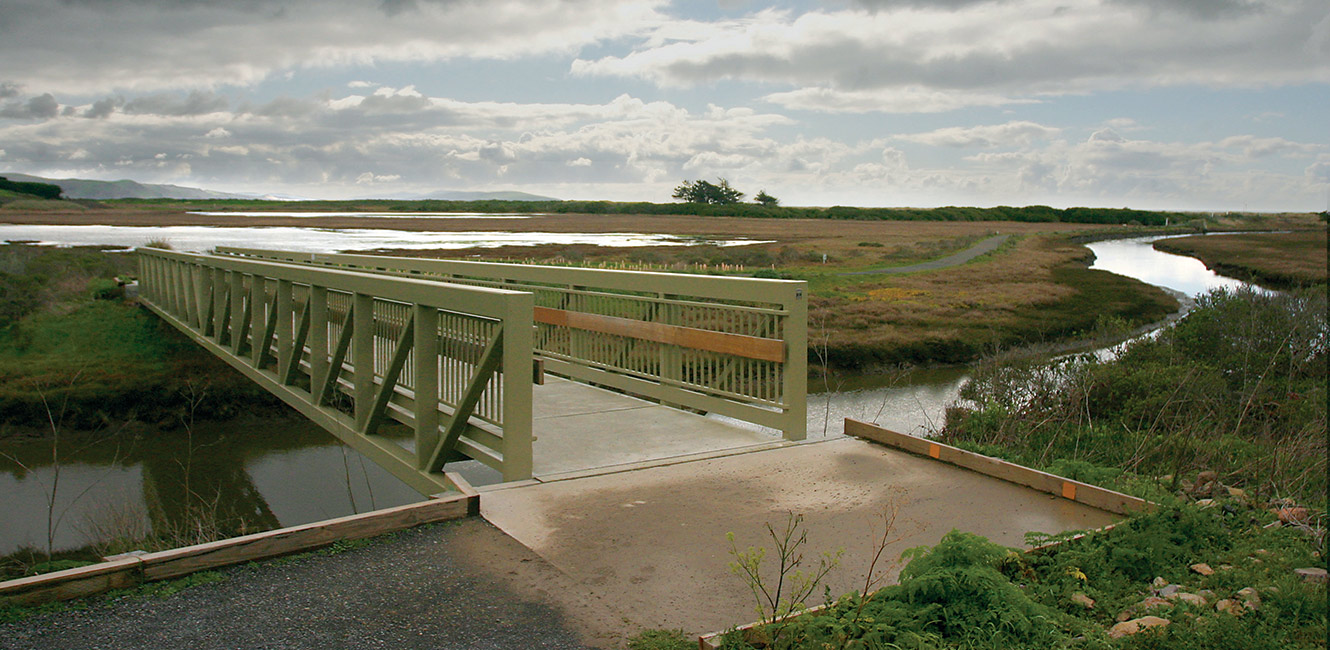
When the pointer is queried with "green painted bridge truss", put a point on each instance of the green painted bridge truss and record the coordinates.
(354, 341)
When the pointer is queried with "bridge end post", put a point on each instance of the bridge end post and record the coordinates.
(795, 390)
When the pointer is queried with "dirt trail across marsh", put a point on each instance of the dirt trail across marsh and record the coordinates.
(986, 246)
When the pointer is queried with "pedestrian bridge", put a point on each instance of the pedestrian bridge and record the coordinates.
(533, 371)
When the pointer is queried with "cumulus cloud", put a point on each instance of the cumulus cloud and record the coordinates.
(133, 45)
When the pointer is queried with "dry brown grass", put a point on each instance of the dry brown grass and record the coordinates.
(1278, 259)
(1035, 289)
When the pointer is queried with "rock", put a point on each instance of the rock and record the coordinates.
(1202, 568)
(1311, 574)
(1205, 503)
(1225, 567)
(1247, 593)
(1133, 626)
(1237, 493)
(1159, 582)
(1148, 604)
(1207, 594)
(1167, 591)
(1229, 606)
(1082, 600)
(1195, 600)
(1292, 515)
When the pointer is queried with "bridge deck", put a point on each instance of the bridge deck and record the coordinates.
(581, 429)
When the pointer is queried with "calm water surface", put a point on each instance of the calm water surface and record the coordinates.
(290, 472)
(329, 240)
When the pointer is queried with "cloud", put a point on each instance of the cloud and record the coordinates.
(103, 107)
(997, 135)
(369, 178)
(37, 108)
(8, 90)
(912, 99)
(169, 104)
(136, 45)
(985, 53)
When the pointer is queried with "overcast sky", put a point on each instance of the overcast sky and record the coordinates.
(1179, 104)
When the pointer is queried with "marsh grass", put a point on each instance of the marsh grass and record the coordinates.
(1280, 260)
(66, 335)
(1238, 387)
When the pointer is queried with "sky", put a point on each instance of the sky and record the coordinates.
(1150, 104)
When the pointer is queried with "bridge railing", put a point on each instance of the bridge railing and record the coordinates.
(352, 350)
(732, 346)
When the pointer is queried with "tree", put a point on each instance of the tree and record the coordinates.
(766, 199)
(704, 192)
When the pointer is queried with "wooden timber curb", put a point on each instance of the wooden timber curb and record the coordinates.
(1084, 493)
(128, 571)
(1090, 495)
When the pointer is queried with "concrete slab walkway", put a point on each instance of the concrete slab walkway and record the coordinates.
(653, 541)
(581, 429)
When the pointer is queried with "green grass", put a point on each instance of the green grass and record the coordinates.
(72, 348)
(967, 592)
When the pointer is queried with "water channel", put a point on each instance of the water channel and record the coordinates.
(291, 472)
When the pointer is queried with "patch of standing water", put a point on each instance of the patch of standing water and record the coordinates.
(329, 240)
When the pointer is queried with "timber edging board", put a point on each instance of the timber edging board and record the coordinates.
(1084, 493)
(131, 571)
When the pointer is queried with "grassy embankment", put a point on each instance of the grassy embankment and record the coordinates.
(1222, 419)
(72, 350)
(1277, 260)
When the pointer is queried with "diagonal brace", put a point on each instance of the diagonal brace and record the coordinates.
(298, 349)
(485, 366)
(338, 357)
(405, 342)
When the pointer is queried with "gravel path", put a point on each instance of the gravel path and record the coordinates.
(985, 246)
(460, 585)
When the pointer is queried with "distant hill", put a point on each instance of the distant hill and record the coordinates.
(486, 196)
(74, 188)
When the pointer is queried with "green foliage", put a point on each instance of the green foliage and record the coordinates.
(701, 191)
(781, 590)
(41, 190)
(765, 199)
(99, 360)
(661, 640)
(56, 565)
(1239, 386)
(967, 592)
(104, 289)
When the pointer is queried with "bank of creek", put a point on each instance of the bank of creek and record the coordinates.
(270, 474)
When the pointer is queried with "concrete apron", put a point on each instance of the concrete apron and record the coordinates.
(652, 542)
